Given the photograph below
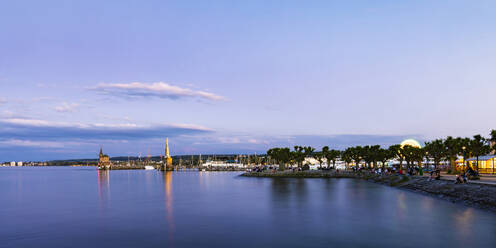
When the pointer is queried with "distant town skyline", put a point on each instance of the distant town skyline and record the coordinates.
(240, 77)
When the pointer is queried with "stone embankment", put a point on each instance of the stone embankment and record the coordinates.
(476, 195)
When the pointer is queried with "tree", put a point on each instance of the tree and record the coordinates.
(281, 155)
(373, 154)
(493, 140)
(299, 155)
(453, 148)
(396, 152)
(325, 153)
(383, 155)
(356, 154)
(367, 155)
(408, 153)
(479, 147)
(319, 156)
(331, 156)
(346, 157)
(307, 151)
(419, 155)
(436, 150)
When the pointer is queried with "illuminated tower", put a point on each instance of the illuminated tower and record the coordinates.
(168, 158)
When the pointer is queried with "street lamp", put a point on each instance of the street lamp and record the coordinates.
(464, 148)
(427, 159)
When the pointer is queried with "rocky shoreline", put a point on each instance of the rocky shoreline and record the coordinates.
(481, 196)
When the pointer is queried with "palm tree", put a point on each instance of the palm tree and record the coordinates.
(307, 151)
(333, 156)
(299, 155)
(346, 157)
(325, 153)
(319, 156)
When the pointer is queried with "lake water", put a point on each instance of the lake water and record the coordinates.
(83, 207)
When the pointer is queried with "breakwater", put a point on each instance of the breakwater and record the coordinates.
(475, 195)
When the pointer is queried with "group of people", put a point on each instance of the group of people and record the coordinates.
(412, 171)
(462, 178)
(435, 175)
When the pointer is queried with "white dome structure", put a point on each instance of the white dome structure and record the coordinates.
(410, 142)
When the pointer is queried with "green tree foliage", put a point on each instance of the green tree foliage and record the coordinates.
(281, 155)
(383, 155)
(319, 156)
(396, 152)
(436, 150)
(346, 157)
(453, 149)
(299, 155)
(478, 147)
(355, 154)
(492, 140)
(331, 156)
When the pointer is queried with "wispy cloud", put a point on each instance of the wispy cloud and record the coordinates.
(30, 143)
(67, 107)
(159, 89)
(32, 129)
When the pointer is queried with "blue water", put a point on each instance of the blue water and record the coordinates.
(83, 207)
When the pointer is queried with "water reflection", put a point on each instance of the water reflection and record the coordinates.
(464, 222)
(175, 209)
(103, 187)
(168, 203)
(402, 207)
(289, 195)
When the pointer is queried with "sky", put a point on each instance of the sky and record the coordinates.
(240, 76)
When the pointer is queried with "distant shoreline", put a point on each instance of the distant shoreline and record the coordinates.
(482, 196)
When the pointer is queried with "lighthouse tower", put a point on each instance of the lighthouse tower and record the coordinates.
(168, 159)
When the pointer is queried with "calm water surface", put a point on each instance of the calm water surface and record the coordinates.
(83, 207)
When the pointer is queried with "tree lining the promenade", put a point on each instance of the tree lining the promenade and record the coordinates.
(438, 150)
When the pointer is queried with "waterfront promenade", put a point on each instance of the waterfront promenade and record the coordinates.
(484, 179)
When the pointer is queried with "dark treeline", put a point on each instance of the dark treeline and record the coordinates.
(177, 160)
(438, 150)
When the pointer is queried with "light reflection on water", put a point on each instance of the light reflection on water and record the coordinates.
(65, 207)
(169, 203)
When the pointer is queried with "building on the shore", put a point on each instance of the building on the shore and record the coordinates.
(484, 164)
(168, 159)
(104, 160)
(13, 163)
(223, 164)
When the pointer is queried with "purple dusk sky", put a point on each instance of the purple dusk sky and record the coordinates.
(240, 76)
